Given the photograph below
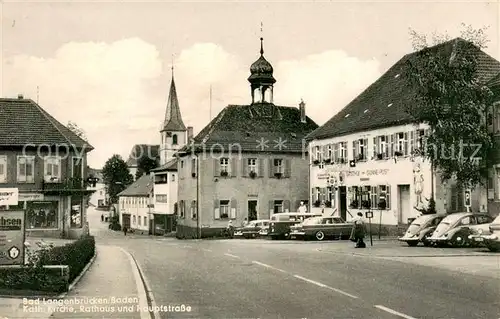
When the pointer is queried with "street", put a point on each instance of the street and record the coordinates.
(273, 279)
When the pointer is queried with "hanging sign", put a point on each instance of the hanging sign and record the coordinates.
(12, 237)
(9, 196)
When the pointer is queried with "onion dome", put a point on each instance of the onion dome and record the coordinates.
(261, 71)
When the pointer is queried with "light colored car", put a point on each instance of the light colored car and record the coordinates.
(252, 229)
(455, 229)
(490, 238)
(322, 228)
(421, 229)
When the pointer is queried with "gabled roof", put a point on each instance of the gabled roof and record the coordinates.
(95, 173)
(384, 103)
(173, 119)
(140, 151)
(256, 128)
(141, 187)
(24, 122)
(494, 82)
(167, 167)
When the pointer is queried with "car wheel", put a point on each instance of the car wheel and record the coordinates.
(412, 243)
(493, 247)
(320, 235)
(459, 240)
(425, 240)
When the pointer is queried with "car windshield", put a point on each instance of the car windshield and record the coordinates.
(313, 221)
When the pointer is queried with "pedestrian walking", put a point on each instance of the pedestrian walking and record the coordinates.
(358, 231)
(302, 208)
(230, 228)
(125, 230)
(102, 217)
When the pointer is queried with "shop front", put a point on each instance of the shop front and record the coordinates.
(391, 189)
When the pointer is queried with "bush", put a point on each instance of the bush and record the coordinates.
(76, 255)
(33, 278)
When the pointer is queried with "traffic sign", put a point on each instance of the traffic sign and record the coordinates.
(369, 214)
(467, 200)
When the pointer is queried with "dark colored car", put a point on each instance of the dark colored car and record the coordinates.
(279, 226)
(252, 229)
(321, 228)
(421, 229)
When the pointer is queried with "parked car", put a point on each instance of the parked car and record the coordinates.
(322, 228)
(491, 238)
(421, 229)
(279, 225)
(455, 229)
(252, 229)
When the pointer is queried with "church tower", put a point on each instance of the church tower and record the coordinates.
(174, 134)
(261, 79)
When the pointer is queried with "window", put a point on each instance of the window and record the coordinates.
(173, 177)
(193, 209)
(224, 209)
(360, 149)
(77, 168)
(317, 153)
(384, 192)
(3, 169)
(252, 165)
(224, 165)
(181, 209)
(25, 169)
(174, 139)
(278, 206)
(161, 198)
(193, 167)
(401, 144)
(343, 152)
(145, 219)
(374, 197)
(138, 220)
(483, 220)
(76, 212)
(133, 220)
(278, 166)
(52, 169)
(497, 118)
(329, 152)
(182, 164)
(420, 136)
(42, 214)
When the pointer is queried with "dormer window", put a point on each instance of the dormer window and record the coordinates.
(174, 139)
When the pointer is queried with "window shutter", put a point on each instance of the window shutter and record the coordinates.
(375, 148)
(392, 145)
(216, 167)
(288, 168)
(216, 209)
(354, 150)
(286, 205)
(366, 150)
(388, 197)
(261, 167)
(232, 213)
(271, 208)
(271, 168)
(407, 143)
(336, 154)
(234, 167)
(244, 167)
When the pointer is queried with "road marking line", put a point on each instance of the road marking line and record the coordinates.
(141, 291)
(267, 266)
(325, 286)
(394, 312)
(204, 249)
(187, 246)
(231, 255)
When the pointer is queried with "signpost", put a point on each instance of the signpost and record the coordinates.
(369, 215)
(12, 237)
(467, 202)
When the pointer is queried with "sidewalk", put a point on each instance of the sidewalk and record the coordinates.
(107, 290)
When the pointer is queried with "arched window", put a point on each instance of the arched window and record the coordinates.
(174, 139)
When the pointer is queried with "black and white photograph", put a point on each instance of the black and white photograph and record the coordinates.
(249, 159)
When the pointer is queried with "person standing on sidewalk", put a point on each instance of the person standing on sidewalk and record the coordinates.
(125, 230)
(358, 231)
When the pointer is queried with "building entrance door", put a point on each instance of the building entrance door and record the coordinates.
(343, 202)
(404, 203)
(252, 210)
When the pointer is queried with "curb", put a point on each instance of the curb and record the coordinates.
(406, 256)
(155, 314)
(79, 277)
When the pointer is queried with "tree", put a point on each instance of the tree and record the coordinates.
(72, 126)
(116, 176)
(453, 100)
(145, 164)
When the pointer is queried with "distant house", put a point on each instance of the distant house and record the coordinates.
(135, 205)
(249, 162)
(47, 163)
(140, 151)
(494, 126)
(366, 157)
(99, 197)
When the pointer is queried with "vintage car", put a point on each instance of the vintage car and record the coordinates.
(252, 229)
(490, 238)
(455, 229)
(279, 225)
(420, 230)
(322, 228)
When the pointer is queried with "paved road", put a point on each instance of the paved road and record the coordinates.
(264, 279)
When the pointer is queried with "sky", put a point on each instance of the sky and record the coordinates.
(106, 66)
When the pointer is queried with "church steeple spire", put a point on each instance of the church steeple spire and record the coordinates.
(173, 119)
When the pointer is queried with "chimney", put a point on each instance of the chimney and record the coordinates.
(20, 96)
(302, 109)
(190, 133)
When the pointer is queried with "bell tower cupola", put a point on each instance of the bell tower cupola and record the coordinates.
(261, 79)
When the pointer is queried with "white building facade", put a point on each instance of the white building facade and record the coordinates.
(165, 197)
(99, 197)
(135, 205)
